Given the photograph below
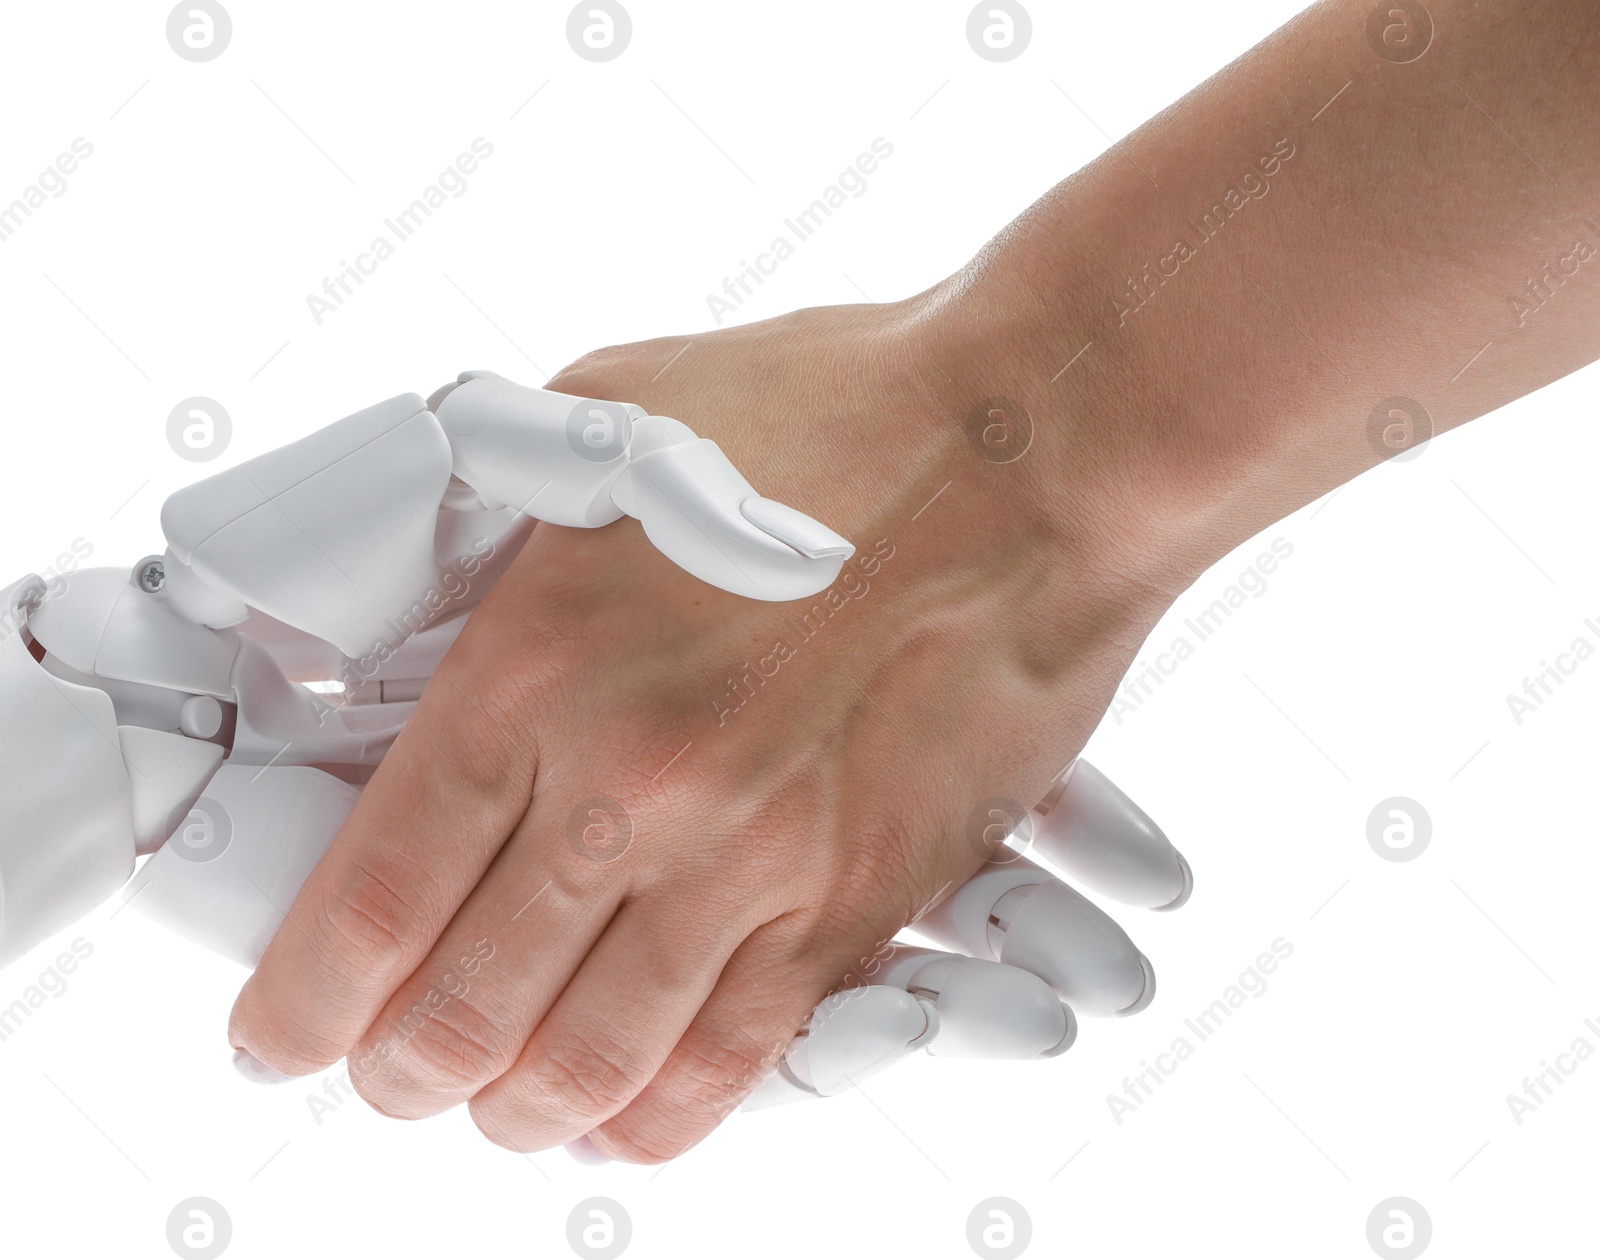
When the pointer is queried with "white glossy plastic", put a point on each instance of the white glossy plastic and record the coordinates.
(1088, 828)
(987, 1010)
(693, 505)
(545, 454)
(333, 533)
(67, 843)
(1016, 912)
(239, 855)
(851, 1037)
(167, 773)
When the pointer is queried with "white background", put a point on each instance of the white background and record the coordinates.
(1376, 663)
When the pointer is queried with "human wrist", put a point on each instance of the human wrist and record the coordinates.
(1083, 434)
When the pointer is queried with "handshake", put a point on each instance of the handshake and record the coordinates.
(218, 708)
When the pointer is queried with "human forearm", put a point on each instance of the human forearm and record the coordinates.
(1227, 348)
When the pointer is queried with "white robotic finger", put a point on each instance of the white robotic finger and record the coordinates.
(334, 534)
(167, 771)
(986, 1009)
(952, 1005)
(851, 1036)
(284, 724)
(190, 596)
(227, 876)
(551, 455)
(1018, 913)
(102, 624)
(67, 841)
(1087, 827)
(702, 514)
(586, 461)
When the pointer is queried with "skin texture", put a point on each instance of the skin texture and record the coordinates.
(638, 827)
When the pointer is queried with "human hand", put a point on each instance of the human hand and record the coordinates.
(675, 819)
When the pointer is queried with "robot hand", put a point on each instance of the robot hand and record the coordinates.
(347, 560)
(219, 706)
(1031, 951)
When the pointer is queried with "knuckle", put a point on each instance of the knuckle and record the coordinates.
(492, 724)
(710, 1077)
(599, 373)
(583, 1078)
(703, 1083)
(454, 1045)
(376, 913)
(510, 688)
(663, 1130)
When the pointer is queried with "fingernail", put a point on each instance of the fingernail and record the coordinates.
(586, 1152)
(253, 1069)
